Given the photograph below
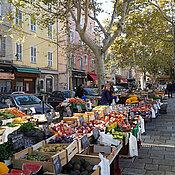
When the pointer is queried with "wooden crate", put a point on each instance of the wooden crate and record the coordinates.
(107, 151)
(65, 155)
(85, 116)
(17, 160)
(72, 120)
(90, 116)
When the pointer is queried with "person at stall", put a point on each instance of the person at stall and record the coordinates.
(80, 92)
(106, 98)
(170, 89)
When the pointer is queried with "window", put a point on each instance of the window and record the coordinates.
(41, 84)
(92, 64)
(2, 46)
(85, 59)
(50, 33)
(81, 63)
(92, 29)
(33, 54)
(50, 58)
(72, 36)
(72, 62)
(33, 26)
(18, 52)
(81, 42)
(18, 18)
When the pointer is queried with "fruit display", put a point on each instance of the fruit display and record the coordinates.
(36, 157)
(62, 139)
(7, 115)
(100, 107)
(52, 148)
(97, 123)
(28, 127)
(62, 129)
(75, 167)
(25, 172)
(132, 99)
(85, 129)
(32, 167)
(18, 120)
(15, 111)
(78, 135)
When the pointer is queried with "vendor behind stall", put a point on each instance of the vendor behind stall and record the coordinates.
(106, 98)
(80, 92)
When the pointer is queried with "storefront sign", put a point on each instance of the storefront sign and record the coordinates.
(7, 76)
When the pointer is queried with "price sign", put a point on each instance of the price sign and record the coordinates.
(85, 142)
(57, 165)
(18, 141)
(96, 133)
(47, 131)
(104, 112)
(132, 115)
(96, 115)
(49, 117)
(121, 126)
(28, 142)
(81, 120)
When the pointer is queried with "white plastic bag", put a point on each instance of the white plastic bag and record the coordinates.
(113, 102)
(142, 125)
(133, 149)
(153, 113)
(104, 165)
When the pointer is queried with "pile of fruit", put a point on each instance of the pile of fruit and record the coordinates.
(62, 139)
(15, 112)
(75, 167)
(52, 148)
(132, 99)
(100, 107)
(97, 123)
(62, 129)
(118, 135)
(36, 157)
(7, 115)
(85, 129)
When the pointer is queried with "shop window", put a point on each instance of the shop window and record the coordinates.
(49, 85)
(18, 53)
(50, 58)
(81, 63)
(33, 54)
(33, 25)
(18, 17)
(72, 62)
(92, 66)
(2, 46)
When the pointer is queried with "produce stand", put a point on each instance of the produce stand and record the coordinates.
(82, 135)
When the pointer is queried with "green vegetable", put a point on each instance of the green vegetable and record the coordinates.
(12, 125)
(28, 127)
(36, 157)
(7, 115)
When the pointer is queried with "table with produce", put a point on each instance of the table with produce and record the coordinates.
(76, 144)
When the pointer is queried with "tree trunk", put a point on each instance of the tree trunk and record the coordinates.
(174, 47)
(99, 64)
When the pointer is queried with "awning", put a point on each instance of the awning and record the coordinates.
(27, 70)
(121, 78)
(93, 76)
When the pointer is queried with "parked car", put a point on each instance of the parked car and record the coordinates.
(25, 102)
(67, 94)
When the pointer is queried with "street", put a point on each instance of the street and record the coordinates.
(157, 153)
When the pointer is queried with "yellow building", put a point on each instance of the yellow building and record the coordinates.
(35, 57)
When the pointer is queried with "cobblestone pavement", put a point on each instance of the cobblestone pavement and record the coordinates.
(157, 153)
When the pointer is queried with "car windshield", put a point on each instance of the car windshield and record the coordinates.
(27, 100)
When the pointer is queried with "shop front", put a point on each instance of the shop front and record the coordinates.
(78, 78)
(6, 76)
(91, 80)
(25, 79)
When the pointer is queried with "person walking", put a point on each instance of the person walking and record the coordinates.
(106, 98)
(80, 92)
(170, 89)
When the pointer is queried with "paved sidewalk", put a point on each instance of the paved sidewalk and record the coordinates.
(157, 153)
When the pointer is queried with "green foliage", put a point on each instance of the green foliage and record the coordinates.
(28, 127)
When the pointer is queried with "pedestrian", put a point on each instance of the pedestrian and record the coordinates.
(170, 89)
(80, 92)
(111, 88)
(106, 98)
